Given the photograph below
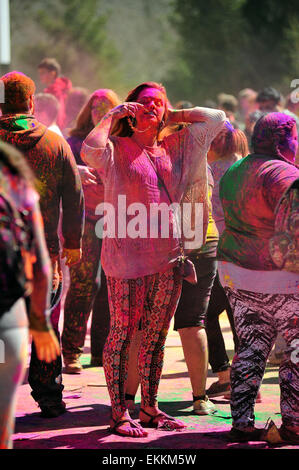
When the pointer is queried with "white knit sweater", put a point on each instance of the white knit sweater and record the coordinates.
(125, 170)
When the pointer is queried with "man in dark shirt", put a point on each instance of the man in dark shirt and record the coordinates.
(58, 184)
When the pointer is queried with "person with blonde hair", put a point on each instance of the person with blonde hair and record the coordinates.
(88, 290)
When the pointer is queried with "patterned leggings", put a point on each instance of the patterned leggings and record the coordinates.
(258, 320)
(153, 300)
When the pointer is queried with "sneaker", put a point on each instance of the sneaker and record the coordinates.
(72, 365)
(237, 435)
(204, 407)
(52, 409)
(218, 390)
(288, 435)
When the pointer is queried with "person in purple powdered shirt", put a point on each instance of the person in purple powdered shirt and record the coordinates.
(264, 298)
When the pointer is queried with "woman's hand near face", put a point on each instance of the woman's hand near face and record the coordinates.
(98, 137)
(129, 109)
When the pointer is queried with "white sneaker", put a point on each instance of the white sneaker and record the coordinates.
(204, 407)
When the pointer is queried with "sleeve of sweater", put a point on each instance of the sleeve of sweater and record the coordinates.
(206, 130)
(193, 142)
(99, 158)
(72, 201)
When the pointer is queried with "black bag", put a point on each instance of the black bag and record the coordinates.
(184, 268)
(15, 246)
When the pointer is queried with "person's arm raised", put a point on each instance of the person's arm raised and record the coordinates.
(95, 143)
(205, 122)
(196, 114)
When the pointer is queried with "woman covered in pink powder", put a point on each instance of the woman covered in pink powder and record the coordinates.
(143, 284)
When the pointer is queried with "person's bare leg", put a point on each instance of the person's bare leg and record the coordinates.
(195, 347)
(133, 379)
(224, 376)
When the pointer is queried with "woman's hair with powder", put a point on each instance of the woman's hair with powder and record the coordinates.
(230, 141)
(271, 133)
(122, 127)
(84, 124)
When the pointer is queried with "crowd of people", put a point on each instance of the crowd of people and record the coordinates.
(226, 171)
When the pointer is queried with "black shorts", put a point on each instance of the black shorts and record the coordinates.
(194, 300)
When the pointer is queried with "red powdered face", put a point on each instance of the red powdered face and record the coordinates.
(153, 101)
(18, 88)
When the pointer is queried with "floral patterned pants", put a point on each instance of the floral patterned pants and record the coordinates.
(152, 300)
(258, 319)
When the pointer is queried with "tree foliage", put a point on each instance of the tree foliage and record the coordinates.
(99, 43)
(195, 47)
(227, 45)
(70, 30)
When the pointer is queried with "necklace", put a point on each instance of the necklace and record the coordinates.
(134, 129)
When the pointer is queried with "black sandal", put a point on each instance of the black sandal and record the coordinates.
(166, 422)
(119, 423)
